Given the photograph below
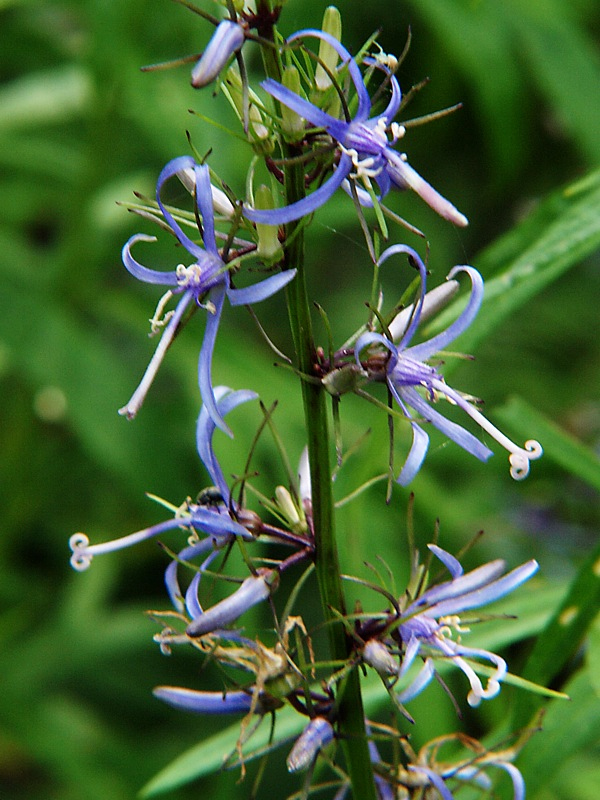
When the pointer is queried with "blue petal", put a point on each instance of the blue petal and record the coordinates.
(217, 523)
(217, 298)
(416, 686)
(434, 780)
(486, 594)
(427, 349)
(253, 590)
(455, 589)
(143, 273)
(205, 702)
(187, 554)
(227, 400)
(301, 208)
(414, 460)
(458, 434)
(205, 206)
(320, 119)
(170, 169)
(417, 261)
(260, 291)
(364, 101)
(451, 563)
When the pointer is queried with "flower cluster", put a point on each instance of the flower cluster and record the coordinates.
(317, 116)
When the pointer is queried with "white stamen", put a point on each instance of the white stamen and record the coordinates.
(188, 276)
(398, 131)
(520, 457)
(159, 321)
(363, 170)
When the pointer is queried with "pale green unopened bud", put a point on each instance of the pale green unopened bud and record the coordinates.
(376, 655)
(269, 247)
(344, 379)
(292, 124)
(258, 133)
(332, 24)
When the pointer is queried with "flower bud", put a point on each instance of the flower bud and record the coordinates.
(317, 734)
(292, 124)
(269, 247)
(376, 655)
(258, 133)
(344, 379)
(226, 40)
(253, 590)
(332, 24)
(222, 205)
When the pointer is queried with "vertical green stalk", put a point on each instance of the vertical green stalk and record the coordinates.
(351, 721)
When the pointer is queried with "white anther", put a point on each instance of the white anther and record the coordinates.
(159, 321)
(81, 559)
(188, 276)
(398, 131)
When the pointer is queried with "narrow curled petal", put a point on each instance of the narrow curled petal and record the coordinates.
(226, 40)
(434, 779)
(226, 400)
(168, 171)
(427, 349)
(253, 590)
(237, 702)
(405, 176)
(458, 587)
(416, 456)
(421, 680)
(138, 270)
(364, 101)
(451, 563)
(515, 776)
(301, 208)
(187, 554)
(317, 734)
(487, 593)
(417, 261)
(462, 437)
(260, 291)
(137, 398)
(216, 298)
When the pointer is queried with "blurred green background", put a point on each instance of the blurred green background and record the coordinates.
(80, 128)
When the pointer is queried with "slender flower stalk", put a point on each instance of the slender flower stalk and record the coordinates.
(406, 371)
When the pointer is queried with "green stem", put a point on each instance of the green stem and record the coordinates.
(351, 720)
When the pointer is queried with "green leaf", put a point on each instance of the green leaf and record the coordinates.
(567, 729)
(562, 637)
(558, 445)
(560, 234)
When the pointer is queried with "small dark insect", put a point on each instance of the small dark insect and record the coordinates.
(210, 496)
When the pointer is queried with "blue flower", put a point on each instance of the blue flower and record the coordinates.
(216, 520)
(226, 40)
(205, 282)
(365, 152)
(406, 370)
(428, 622)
